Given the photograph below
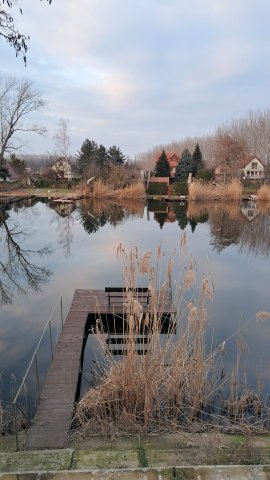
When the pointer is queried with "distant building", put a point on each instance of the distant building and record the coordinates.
(252, 168)
(63, 169)
(8, 173)
(249, 168)
(173, 160)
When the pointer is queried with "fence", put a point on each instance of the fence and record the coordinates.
(28, 395)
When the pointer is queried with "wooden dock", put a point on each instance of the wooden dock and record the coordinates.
(51, 422)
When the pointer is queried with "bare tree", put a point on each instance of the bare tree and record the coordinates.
(18, 99)
(8, 29)
(62, 139)
(228, 154)
(18, 273)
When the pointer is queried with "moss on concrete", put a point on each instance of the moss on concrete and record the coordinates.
(105, 458)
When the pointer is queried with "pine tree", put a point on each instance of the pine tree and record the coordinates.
(184, 167)
(116, 156)
(87, 155)
(197, 159)
(101, 157)
(162, 168)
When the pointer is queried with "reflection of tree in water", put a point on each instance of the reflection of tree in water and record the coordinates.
(160, 217)
(65, 223)
(181, 215)
(255, 236)
(224, 230)
(95, 214)
(230, 225)
(17, 273)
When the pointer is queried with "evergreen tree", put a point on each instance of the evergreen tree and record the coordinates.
(162, 168)
(184, 167)
(101, 157)
(115, 155)
(197, 159)
(86, 155)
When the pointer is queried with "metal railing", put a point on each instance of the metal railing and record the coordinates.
(27, 397)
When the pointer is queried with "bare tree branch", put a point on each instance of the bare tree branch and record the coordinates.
(18, 98)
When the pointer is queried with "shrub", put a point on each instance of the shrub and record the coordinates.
(157, 188)
(263, 194)
(179, 188)
(199, 191)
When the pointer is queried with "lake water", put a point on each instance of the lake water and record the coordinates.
(231, 244)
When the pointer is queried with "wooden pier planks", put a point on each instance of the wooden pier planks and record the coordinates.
(51, 422)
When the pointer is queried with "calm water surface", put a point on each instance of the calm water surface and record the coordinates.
(56, 248)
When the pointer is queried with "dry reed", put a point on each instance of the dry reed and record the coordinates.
(99, 189)
(177, 379)
(263, 194)
(200, 191)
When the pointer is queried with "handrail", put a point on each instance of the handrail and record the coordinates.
(34, 359)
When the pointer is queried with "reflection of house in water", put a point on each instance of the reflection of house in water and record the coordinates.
(63, 209)
(250, 211)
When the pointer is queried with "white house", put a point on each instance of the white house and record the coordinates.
(62, 168)
(252, 168)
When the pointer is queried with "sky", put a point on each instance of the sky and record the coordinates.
(137, 74)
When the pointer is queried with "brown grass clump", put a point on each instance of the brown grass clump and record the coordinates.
(99, 189)
(200, 191)
(174, 379)
(263, 194)
(134, 190)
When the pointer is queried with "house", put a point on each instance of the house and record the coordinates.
(7, 173)
(252, 168)
(249, 168)
(62, 168)
(173, 160)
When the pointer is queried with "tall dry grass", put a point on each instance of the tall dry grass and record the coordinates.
(176, 382)
(200, 191)
(100, 189)
(263, 194)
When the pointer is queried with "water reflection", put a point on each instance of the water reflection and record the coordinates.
(246, 225)
(95, 214)
(18, 274)
(175, 212)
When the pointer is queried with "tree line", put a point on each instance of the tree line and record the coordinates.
(188, 163)
(231, 141)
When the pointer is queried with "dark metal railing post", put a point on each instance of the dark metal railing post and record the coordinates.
(14, 408)
(15, 405)
(37, 376)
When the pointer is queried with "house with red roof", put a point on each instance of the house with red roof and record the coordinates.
(173, 160)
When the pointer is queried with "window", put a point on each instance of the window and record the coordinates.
(248, 173)
(254, 165)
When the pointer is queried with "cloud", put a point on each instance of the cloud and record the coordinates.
(144, 72)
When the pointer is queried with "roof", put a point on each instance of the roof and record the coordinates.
(12, 174)
(248, 159)
(173, 158)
